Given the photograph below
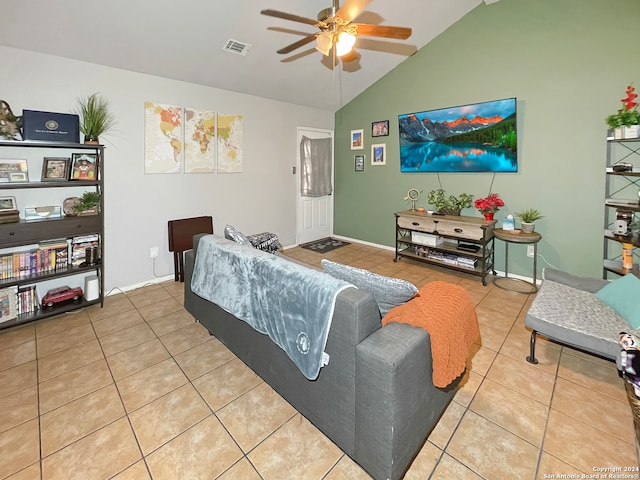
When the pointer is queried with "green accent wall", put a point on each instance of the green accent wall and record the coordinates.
(567, 62)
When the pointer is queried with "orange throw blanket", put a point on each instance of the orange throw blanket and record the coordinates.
(446, 311)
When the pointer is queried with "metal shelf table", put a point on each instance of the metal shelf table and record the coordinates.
(517, 236)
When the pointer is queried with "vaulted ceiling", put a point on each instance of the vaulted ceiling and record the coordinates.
(184, 40)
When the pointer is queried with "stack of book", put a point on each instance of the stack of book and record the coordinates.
(452, 259)
(27, 299)
(49, 256)
(467, 262)
(17, 264)
(79, 246)
(53, 255)
(9, 216)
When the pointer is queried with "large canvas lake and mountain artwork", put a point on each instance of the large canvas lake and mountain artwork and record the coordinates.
(481, 137)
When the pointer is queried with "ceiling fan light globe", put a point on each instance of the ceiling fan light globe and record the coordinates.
(345, 43)
(324, 42)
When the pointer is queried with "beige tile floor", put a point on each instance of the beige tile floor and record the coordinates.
(137, 390)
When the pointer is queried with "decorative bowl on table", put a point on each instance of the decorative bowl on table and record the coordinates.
(45, 211)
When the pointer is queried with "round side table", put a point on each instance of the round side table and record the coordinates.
(517, 236)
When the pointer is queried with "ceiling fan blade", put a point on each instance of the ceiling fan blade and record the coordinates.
(367, 30)
(351, 9)
(288, 16)
(295, 45)
(386, 46)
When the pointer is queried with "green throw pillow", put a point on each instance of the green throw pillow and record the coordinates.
(388, 292)
(622, 296)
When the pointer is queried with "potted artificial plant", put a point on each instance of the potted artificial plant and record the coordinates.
(96, 117)
(489, 205)
(450, 205)
(625, 123)
(527, 218)
(88, 203)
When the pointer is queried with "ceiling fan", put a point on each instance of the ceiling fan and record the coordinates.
(337, 29)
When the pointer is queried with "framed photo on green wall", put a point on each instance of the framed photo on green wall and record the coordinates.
(359, 163)
(357, 139)
(380, 129)
(379, 154)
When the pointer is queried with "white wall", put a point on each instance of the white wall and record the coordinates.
(138, 206)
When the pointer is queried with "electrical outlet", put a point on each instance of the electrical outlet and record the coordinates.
(530, 250)
(153, 252)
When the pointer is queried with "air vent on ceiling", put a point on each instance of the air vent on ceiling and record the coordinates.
(234, 46)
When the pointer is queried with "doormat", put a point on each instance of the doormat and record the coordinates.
(324, 245)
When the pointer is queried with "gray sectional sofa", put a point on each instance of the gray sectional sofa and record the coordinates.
(375, 399)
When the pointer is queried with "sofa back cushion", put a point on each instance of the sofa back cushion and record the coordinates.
(388, 292)
(232, 233)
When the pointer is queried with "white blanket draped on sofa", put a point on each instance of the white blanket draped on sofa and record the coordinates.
(290, 303)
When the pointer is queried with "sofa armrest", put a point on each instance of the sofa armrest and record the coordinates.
(397, 404)
(581, 283)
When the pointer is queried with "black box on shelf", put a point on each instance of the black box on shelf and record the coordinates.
(50, 126)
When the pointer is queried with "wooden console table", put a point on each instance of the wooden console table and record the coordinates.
(458, 242)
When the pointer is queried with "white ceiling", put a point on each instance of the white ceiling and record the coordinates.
(183, 40)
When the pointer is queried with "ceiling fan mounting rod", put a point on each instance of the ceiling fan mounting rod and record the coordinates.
(329, 22)
(330, 12)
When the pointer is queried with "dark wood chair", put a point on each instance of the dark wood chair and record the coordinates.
(181, 234)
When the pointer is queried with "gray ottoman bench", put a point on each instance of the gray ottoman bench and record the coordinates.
(567, 311)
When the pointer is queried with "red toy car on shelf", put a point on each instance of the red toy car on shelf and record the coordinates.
(61, 294)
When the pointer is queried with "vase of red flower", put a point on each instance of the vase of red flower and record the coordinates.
(625, 123)
(489, 205)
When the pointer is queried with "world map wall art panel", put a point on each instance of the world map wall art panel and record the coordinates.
(199, 144)
(163, 138)
(230, 143)
(186, 140)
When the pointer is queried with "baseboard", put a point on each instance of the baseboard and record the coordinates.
(113, 291)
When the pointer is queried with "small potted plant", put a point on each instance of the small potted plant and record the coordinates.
(88, 203)
(489, 205)
(96, 117)
(450, 205)
(626, 122)
(527, 218)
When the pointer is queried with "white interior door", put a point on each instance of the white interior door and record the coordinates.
(314, 214)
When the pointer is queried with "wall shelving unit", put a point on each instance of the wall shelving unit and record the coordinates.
(621, 195)
(20, 235)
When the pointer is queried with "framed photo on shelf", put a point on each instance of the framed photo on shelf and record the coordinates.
(84, 166)
(8, 304)
(7, 203)
(379, 154)
(359, 163)
(380, 129)
(55, 169)
(9, 166)
(357, 139)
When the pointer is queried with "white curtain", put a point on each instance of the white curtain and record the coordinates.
(315, 167)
